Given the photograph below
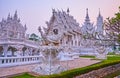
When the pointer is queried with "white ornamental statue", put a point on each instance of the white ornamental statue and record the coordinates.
(101, 52)
(52, 36)
(51, 40)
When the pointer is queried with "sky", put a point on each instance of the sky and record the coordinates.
(35, 13)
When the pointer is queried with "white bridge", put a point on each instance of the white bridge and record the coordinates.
(19, 42)
(6, 61)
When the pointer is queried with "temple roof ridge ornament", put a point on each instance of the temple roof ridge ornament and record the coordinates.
(8, 18)
(25, 27)
(3, 20)
(99, 12)
(15, 15)
(68, 11)
(87, 19)
(99, 15)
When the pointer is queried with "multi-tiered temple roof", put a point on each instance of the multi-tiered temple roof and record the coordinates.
(65, 20)
(11, 27)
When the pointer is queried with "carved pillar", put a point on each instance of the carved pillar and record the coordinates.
(18, 34)
(36, 52)
(26, 53)
(7, 34)
(77, 37)
(73, 38)
(30, 51)
(64, 40)
(70, 40)
(5, 49)
(20, 52)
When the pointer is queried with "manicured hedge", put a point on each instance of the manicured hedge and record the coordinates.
(75, 72)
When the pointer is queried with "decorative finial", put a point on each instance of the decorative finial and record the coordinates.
(87, 16)
(99, 12)
(25, 27)
(68, 10)
(53, 10)
(15, 15)
(39, 28)
(8, 18)
(87, 11)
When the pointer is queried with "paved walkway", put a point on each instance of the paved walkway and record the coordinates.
(77, 63)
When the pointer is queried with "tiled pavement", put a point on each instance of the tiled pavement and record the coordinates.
(81, 62)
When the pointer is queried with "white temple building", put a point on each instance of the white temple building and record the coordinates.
(13, 38)
(62, 31)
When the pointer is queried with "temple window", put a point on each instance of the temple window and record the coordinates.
(66, 42)
(79, 43)
(55, 31)
(72, 42)
(75, 42)
(11, 34)
(61, 41)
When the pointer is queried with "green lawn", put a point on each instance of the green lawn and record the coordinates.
(25, 75)
(87, 56)
(109, 57)
(111, 53)
(111, 60)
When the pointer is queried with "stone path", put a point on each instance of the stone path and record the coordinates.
(71, 64)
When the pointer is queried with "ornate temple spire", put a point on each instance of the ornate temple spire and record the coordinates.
(15, 15)
(99, 23)
(87, 27)
(99, 18)
(87, 19)
(53, 10)
(99, 15)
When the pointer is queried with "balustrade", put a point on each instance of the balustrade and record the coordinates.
(13, 61)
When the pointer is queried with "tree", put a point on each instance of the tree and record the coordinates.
(112, 27)
(34, 37)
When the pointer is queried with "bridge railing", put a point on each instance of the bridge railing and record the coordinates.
(22, 60)
(20, 41)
